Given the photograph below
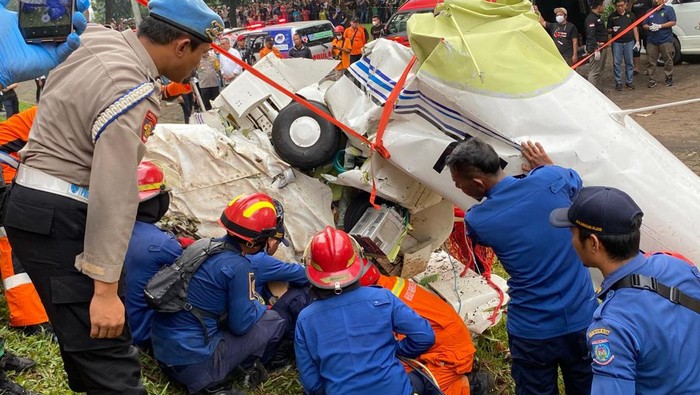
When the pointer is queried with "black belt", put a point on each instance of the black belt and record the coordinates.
(673, 294)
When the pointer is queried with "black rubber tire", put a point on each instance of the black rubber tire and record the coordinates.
(304, 157)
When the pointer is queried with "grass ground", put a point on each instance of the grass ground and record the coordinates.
(49, 378)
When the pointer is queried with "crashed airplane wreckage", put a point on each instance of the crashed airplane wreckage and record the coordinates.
(484, 70)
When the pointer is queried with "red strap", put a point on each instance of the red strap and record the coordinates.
(620, 34)
(389, 108)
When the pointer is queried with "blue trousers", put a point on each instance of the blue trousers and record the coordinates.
(535, 364)
(620, 52)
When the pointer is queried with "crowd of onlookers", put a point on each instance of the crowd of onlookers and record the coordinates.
(339, 13)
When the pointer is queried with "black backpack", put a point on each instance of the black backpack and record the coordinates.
(167, 290)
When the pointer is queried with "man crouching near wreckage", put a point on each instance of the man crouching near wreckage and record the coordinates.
(344, 340)
(552, 299)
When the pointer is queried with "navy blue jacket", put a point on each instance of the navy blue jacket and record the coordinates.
(268, 268)
(346, 345)
(224, 283)
(149, 249)
(642, 343)
(551, 291)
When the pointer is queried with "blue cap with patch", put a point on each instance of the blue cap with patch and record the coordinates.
(191, 16)
(600, 210)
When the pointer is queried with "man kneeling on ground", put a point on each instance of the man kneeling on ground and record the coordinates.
(451, 358)
(247, 332)
(344, 340)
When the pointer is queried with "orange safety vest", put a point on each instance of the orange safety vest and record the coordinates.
(452, 355)
(357, 39)
(338, 54)
(266, 51)
(22, 300)
(175, 89)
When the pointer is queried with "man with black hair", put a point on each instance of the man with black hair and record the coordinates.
(247, 333)
(299, 50)
(551, 292)
(596, 36)
(644, 335)
(72, 208)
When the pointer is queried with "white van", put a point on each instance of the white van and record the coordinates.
(317, 35)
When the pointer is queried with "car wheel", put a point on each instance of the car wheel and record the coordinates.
(302, 138)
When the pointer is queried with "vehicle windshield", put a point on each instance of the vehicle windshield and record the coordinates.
(316, 35)
(397, 23)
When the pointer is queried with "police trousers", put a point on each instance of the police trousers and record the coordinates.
(46, 232)
(535, 364)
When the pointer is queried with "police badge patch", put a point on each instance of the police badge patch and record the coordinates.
(149, 123)
(600, 350)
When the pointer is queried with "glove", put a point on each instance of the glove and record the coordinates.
(596, 55)
(20, 61)
(636, 47)
(654, 27)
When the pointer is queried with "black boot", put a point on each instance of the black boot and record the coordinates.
(7, 387)
(481, 383)
(10, 361)
(254, 375)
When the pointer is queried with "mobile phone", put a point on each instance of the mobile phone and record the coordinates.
(46, 20)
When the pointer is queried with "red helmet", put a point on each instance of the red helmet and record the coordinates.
(339, 29)
(253, 217)
(371, 274)
(151, 180)
(333, 259)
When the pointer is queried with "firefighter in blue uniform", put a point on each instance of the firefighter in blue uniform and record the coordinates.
(344, 340)
(644, 336)
(149, 249)
(246, 333)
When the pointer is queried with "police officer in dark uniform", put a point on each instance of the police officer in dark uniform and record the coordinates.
(639, 9)
(596, 36)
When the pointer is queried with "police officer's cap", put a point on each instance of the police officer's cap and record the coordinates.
(599, 210)
(269, 39)
(191, 16)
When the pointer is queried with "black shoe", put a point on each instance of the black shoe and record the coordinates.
(220, 391)
(7, 387)
(651, 84)
(284, 355)
(669, 81)
(10, 361)
(255, 375)
(629, 86)
(618, 87)
(481, 383)
(38, 329)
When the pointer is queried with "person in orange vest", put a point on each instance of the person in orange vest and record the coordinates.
(341, 50)
(357, 35)
(26, 311)
(270, 48)
(451, 358)
(182, 92)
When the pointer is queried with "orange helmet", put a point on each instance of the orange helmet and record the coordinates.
(333, 260)
(151, 180)
(339, 29)
(370, 276)
(255, 217)
(669, 253)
